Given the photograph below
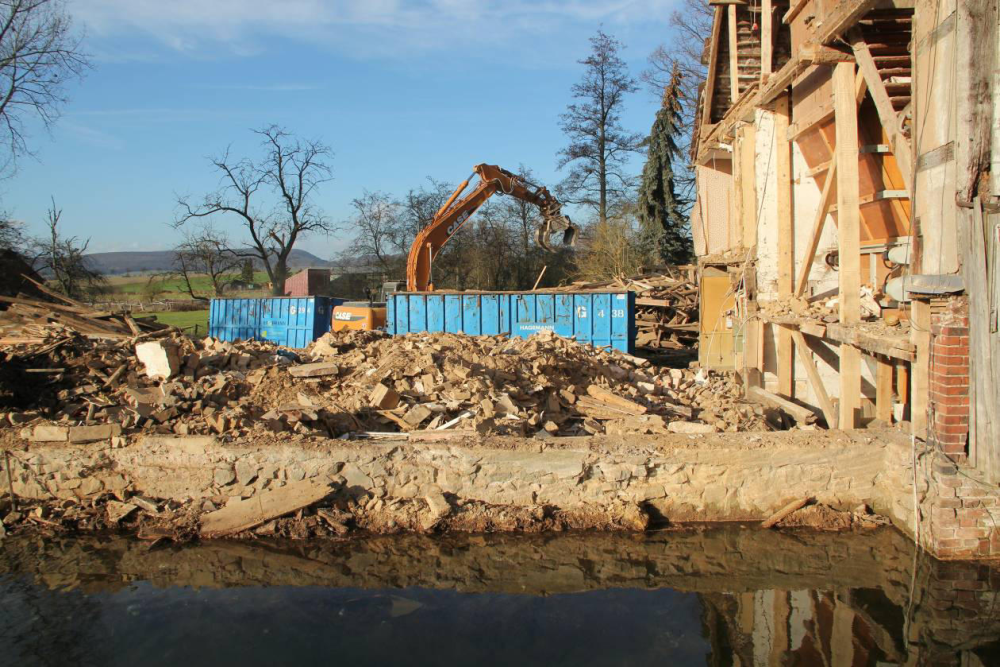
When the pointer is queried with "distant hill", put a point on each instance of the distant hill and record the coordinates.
(116, 263)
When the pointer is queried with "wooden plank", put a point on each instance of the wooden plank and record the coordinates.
(614, 400)
(984, 345)
(849, 236)
(844, 16)
(889, 346)
(246, 514)
(713, 62)
(883, 105)
(920, 332)
(825, 201)
(825, 404)
(766, 38)
(793, 11)
(799, 413)
(785, 511)
(883, 389)
(734, 62)
(786, 240)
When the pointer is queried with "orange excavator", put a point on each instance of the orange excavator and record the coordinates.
(449, 219)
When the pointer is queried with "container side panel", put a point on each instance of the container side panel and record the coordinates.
(435, 313)
(564, 314)
(582, 318)
(602, 320)
(491, 314)
(452, 313)
(471, 315)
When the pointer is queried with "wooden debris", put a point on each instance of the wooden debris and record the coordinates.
(788, 509)
(383, 397)
(612, 399)
(318, 369)
(271, 504)
(666, 306)
(800, 414)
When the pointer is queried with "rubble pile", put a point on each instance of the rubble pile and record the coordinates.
(824, 309)
(514, 386)
(77, 389)
(666, 307)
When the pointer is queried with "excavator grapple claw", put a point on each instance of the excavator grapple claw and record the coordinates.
(553, 225)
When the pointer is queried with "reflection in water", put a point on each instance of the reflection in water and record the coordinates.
(725, 596)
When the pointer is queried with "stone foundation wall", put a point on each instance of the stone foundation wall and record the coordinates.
(685, 482)
(739, 477)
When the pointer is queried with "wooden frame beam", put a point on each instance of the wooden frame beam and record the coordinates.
(825, 202)
(766, 37)
(849, 235)
(883, 389)
(713, 61)
(786, 240)
(734, 61)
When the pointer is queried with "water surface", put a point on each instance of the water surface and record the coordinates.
(723, 596)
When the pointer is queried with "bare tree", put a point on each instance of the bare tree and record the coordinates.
(39, 55)
(377, 223)
(612, 249)
(692, 26)
(206, 251)
(599, 146)
(290, 171)
(63, 259)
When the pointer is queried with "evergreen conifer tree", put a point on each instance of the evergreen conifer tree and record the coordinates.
(661, 212)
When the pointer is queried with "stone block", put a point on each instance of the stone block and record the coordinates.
(94, 433)
(160, 358)
(690, 427)
(48, 433)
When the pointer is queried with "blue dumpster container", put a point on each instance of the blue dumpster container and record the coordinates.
(288, 321)
(233, 319)
(602, 319)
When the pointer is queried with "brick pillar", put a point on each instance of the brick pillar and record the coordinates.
(948, 403)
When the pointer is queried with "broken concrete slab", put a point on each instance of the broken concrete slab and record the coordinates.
(271, 504)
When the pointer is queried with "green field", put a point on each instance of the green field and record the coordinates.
(184, 319)
(154, 287)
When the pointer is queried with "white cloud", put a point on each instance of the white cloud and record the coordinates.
(361, 28)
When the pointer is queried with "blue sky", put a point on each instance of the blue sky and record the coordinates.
(399, 90)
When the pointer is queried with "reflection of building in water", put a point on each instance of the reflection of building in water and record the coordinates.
(954, 620)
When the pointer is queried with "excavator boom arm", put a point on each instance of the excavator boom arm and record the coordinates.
(455, 212)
